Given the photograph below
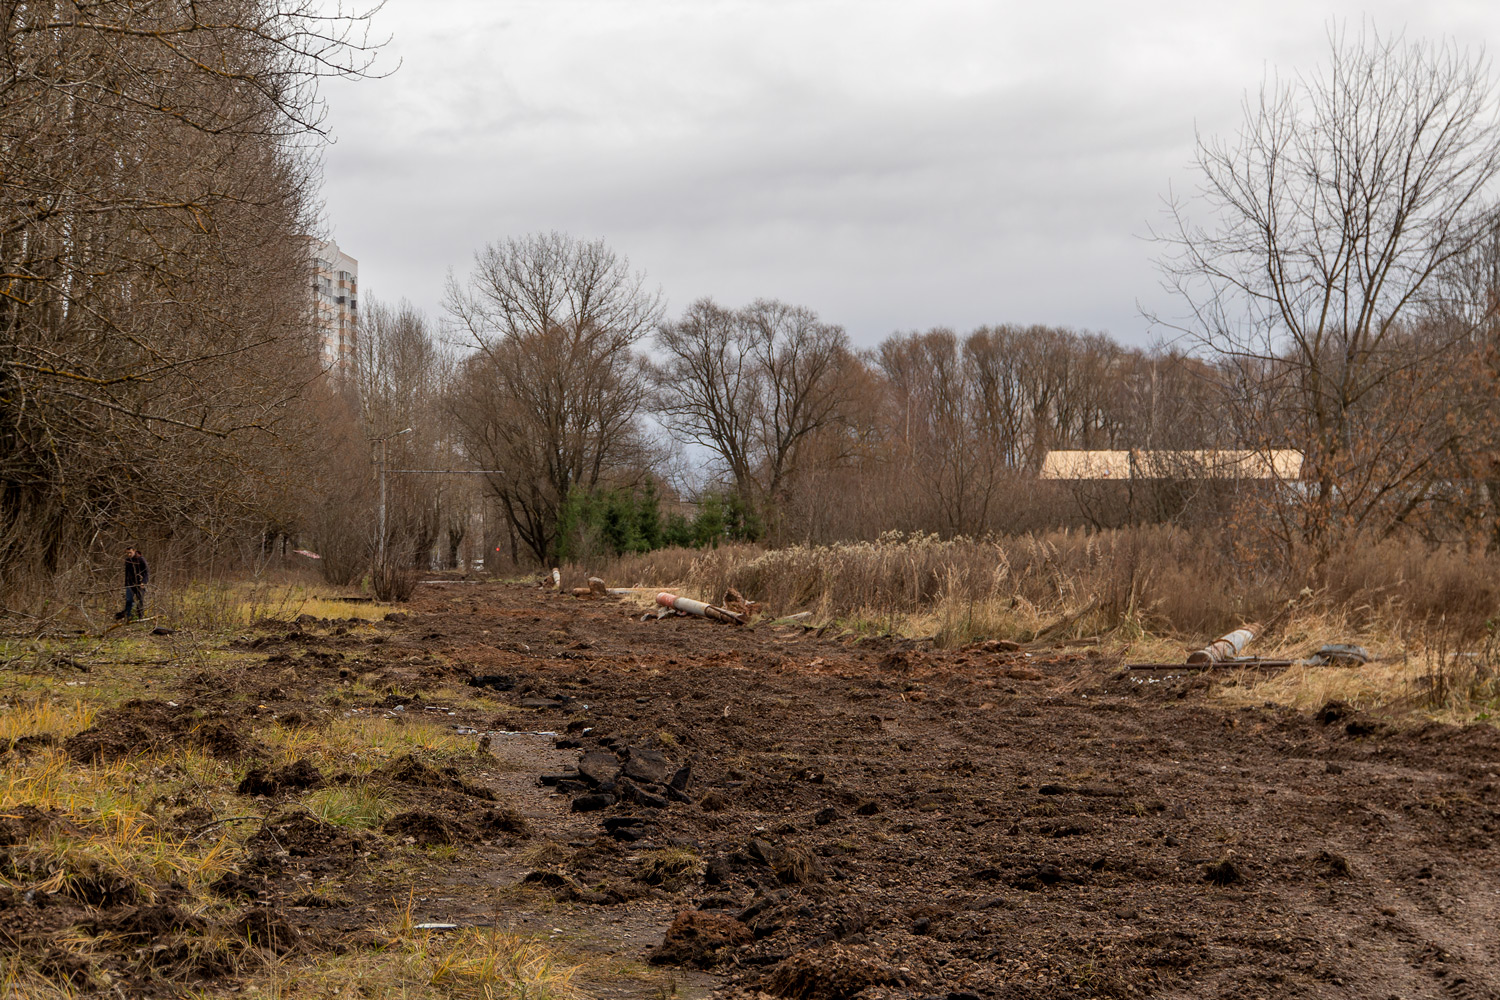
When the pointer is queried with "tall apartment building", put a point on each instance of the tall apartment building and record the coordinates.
(335, 288)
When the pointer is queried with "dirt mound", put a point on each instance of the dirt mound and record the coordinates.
(192, 956)
(904, 660)
(700, 938)
(429, 829)
(1332, 865)
(265, 927)
(26, 745)
(20, 823)
(1333, 711)
(237, 885)
(1224, 872)
(409, 770)
(144, 924)
(66, 968)
(27, 919)
(303, 835)
(506, 822)
(100, 888)
(833, 972)
(295, 777)
(193, 817)
(221, 739)
(139, 727)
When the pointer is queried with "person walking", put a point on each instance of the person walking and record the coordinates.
(137, 575)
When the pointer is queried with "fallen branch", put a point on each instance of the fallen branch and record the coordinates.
(220, 822)
(1088, 640)
(1063, 623)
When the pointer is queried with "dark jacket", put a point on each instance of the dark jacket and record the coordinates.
(137, 573)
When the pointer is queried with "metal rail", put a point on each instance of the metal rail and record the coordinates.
(1194, 668)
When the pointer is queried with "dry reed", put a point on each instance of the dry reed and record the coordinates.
(1156, 589)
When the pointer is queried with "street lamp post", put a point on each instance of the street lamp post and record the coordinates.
(380, 542)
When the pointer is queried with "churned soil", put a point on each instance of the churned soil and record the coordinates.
(151, 727)
(776, 810)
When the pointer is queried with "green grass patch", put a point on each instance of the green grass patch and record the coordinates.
(361, 806)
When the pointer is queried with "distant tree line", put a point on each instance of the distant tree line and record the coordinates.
(1339, 271)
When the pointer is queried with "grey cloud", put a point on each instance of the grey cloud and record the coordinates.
(828, 159)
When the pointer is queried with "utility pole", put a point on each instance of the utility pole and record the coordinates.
(380, 542)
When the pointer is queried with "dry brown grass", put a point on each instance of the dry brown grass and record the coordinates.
(1153, 592)
(1436, 668)
(234, 604)
(1159, 579)
(359, 744)
(44, 717)
(1150, 577)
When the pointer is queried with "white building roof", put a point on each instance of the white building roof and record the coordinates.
(1280, 463)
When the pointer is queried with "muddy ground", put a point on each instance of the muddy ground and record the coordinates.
(770, 809)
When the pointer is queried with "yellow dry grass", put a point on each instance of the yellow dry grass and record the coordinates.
(44, 718)
(115, 824)
(109, 824)
(467, 964)
(231, 604)
(1458, 688)
(361, 743)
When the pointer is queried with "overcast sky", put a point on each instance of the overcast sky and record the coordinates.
(893, 165)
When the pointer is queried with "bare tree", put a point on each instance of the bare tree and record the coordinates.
(801, 358)
(708, 387)
(1346, 194)
(550, 397)
(754, 385)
